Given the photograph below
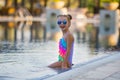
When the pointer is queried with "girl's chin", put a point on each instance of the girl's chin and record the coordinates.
(63, 28)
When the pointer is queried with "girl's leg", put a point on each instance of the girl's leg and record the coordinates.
(56, 65)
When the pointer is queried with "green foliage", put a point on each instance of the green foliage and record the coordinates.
(110, 0)
(90, 3)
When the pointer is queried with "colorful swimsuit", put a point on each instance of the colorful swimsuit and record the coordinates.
(63, 49)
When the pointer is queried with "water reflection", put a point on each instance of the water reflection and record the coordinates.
(21, 31)
(14, 38)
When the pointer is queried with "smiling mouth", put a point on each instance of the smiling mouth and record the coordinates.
(62, 26)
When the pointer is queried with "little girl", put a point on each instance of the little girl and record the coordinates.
(66, 43)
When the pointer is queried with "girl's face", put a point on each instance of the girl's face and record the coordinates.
(63, 23)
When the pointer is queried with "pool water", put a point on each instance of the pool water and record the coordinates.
(30, 60)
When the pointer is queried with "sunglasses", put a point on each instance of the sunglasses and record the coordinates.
(62, 22)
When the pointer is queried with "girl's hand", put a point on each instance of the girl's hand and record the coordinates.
(65, 64)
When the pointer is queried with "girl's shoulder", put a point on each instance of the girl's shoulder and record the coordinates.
(70, 36)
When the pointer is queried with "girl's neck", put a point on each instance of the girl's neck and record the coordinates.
(65, 32)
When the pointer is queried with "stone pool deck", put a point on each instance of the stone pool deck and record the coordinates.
(105, 68)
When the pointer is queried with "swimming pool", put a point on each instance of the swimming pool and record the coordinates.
(30, 60)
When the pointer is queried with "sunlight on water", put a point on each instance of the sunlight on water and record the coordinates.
(32, 58)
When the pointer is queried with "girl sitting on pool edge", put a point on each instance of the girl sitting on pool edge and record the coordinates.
(66, 43)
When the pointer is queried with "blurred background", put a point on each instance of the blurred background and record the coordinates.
(94, 21)
(29, 34)
(35, 20)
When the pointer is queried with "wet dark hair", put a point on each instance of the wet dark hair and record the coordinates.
(68, 16)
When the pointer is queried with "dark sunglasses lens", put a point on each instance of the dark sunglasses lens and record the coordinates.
(59, 22)
(64, 22)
